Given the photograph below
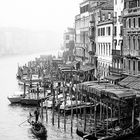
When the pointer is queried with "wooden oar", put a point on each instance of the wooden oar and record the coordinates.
(26, 120)
(23, 122)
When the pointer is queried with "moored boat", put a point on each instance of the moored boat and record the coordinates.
(30, 101)
(115, 133)
(16, 98)
(38, 129)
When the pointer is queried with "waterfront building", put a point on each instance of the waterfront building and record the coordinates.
(104, 38)
(131, 37)
(69, 37)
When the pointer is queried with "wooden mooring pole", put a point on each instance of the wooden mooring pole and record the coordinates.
(95, 119)
(64, 95)
(70, 92)
(24, 88)
(53, 102)
(46, 101)
(58, 107)
(41, 110)
(85, 120)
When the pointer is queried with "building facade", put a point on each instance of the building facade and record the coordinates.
(81, 33)
(131, 37)
(116, 70)
(104, 38)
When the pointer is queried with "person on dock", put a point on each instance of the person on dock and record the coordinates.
(36, 113)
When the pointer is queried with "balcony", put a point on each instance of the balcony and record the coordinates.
(91, 34)
(115, 70)
(117, 52)
(131, 53)
(77, 17)
(92, 49)
(130, 11)
(115, 19)
(130, 72)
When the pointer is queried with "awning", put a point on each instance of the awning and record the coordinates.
(69, 70)
(126, 81)
(68, 66)
(85, 68)
(113, 77)
(106, 89)
(132, 82)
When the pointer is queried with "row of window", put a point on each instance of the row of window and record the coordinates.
(116, 2)
(84, 9)
(134, 43)
(132, 65)
(116, 63)
(120, 32)
(104, 49)
(132, 22)
(131, 4)
(101, 31)
(82, 23)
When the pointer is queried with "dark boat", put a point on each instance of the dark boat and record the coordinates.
(38, 129)
(113, 134)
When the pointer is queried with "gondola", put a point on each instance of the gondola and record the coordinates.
(38, 129)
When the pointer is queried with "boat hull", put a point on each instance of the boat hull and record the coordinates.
(33, 102)
(14, 99)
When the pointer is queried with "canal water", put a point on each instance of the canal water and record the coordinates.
(11, 116)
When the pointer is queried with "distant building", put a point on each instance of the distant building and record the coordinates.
(131, 37)
(69, 37)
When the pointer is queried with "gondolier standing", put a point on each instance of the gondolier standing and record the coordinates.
(36, 113)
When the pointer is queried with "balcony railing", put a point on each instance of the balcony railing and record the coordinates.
(115, 70)
(77, 17)
(130, 72)
(131, 10)
(134, 53)
(116, 52)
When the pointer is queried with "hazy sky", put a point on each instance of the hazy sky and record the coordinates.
(52, 15)
(38, 14)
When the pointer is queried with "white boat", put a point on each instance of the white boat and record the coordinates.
(68, 104)
(16, 98)
(47, 103)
